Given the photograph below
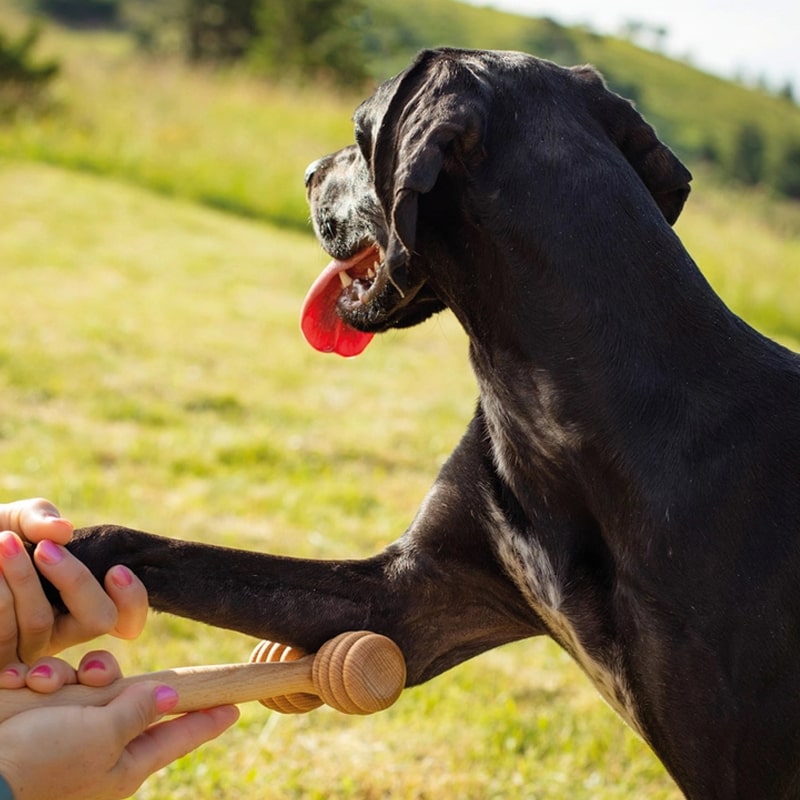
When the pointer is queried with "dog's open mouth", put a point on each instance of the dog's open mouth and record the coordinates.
(345, 285)
(357, 297)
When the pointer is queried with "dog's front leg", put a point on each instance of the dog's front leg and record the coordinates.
(438, 591)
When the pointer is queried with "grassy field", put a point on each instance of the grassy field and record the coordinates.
(153, 374)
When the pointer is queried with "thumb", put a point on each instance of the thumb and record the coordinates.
(35, 519)
(138, 706)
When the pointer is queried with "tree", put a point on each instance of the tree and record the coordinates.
(285, 38)
(80, 12)
(22, 79)
(747, 164)
(709, 152)
(311, 38)
(220, 30)
(787, 180)
(787, 92)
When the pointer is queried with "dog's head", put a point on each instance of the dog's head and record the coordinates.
(463, 141)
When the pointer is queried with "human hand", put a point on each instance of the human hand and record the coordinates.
(107, 751)
(29, 626)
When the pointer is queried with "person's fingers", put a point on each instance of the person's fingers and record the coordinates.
(34, 520)
(12, 676)
(8, 622)
(163, 743)
(28, 609)
(91, 611)
(49, 675)
(98, 668)
(130, 598)
(137, 707)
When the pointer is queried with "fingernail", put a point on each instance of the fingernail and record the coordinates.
(42, 671)
(11, 671)
(94, 663)
(121, 576)
(166, 699)
(10, 545)
(49, 552)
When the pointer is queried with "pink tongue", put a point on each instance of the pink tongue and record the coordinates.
(320, 323)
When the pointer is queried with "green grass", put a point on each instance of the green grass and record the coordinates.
(153, 374)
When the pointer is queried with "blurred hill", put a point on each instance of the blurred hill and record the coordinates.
(746, 134)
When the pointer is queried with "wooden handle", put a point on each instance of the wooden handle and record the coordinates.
(356, 673)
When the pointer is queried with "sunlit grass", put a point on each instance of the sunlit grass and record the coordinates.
(221, 137)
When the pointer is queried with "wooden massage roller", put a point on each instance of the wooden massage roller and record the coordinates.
(356, 673)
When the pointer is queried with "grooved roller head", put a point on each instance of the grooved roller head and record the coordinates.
(359, 672)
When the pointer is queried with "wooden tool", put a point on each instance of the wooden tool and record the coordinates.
(296, 703)
(356, 673)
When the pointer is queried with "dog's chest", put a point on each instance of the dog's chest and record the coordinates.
(533, 571)
(525, 439)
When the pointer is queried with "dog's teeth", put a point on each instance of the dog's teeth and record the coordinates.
(345, 279)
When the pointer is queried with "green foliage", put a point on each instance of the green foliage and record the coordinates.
(298, 39)
(219, 29)
(310, 39)
(747, 163)
(787, 180)
(80, 12)
(787, 92)
(22, 77)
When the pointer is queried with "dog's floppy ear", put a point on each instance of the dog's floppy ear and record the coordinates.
(658, 167)
(436, 116)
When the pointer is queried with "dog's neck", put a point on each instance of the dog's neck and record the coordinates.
(594, 359)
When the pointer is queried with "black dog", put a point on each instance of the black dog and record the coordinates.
(630, 483)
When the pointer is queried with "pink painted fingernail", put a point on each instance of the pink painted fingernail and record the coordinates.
(10, 545)
(166, 699)
(49, 552)
(11, 671)
(94, 663)
(42, 671)
(121, 576)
